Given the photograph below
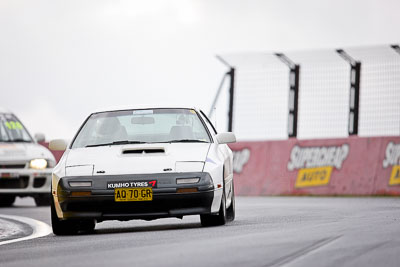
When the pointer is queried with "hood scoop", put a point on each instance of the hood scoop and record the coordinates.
(143, 151)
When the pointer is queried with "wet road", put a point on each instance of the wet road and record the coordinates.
(268, 231)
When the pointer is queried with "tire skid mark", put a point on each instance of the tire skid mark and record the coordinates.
(302, 252)
(368, 249)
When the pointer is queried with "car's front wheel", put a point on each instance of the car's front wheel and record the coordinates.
(215, 219)
(230, 212)
(42, 200)
(61, 227)
(6, 201)
(69, 227)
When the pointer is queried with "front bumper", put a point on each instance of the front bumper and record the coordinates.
(167, 199)
(25, 182)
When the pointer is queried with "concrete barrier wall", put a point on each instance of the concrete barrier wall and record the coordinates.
(348, 166)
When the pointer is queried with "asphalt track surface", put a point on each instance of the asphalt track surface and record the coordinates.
(268, 231)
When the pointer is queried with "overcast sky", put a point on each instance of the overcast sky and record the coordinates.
(62, 60)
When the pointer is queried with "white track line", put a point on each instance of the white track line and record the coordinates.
(39, 228)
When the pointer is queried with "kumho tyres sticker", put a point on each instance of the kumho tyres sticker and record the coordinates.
(315, 164)
(392, 158)
(131, 184)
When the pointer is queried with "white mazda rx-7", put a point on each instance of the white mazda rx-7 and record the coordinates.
(143, 164)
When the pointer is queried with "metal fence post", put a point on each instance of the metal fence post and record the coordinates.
(231, 73)
(294, 76)
(355, 76)
(396, 48)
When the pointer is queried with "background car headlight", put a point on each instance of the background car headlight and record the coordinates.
(38, 164)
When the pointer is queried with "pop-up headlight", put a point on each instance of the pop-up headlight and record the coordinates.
(187, 180)
(80, 184)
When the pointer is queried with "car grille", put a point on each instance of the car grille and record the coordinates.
(8, 183)
(12, 166)
(39, 182)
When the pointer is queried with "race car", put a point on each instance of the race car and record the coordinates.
(146, 164)
(25, 165)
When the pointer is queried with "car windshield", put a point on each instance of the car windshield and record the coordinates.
(12, 130)
(141, 126)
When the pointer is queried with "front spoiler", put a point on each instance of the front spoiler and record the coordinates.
(163, 205)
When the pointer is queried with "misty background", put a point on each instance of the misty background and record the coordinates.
(62, 60)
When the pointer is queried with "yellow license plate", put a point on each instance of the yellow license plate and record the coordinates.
(133, 194)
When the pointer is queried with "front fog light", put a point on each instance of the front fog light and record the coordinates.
(38, 164)
(187, 180)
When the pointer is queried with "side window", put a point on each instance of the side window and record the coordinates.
(3, 134)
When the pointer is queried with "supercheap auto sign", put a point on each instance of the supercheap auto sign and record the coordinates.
(315, 164)
(346, 166)
(392, 159)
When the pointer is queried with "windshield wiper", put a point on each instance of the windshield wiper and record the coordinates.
(186, 141)
(127, 142)
(124, 142)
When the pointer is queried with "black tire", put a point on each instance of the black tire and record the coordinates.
(230, 212)
(69, 227)
(42, 200)
(215, 219)
(61, 227)
(6, 201)
(87, 226)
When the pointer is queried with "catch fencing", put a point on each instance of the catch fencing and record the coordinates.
(315, 94)
(317, 122)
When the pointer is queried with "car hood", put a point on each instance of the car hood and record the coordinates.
(140, 158)
(23, 152)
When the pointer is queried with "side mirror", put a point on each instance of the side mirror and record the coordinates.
(39, 137)
(58, 144)
(225, 138)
